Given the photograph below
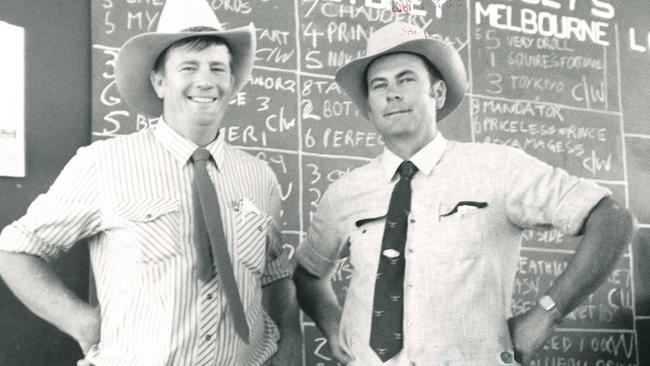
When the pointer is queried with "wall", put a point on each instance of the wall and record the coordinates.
(57, 88)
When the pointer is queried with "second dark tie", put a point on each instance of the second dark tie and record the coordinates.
(210, 240)
(386, 335)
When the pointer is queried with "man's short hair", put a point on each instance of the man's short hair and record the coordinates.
(196, 43)
(434, 74)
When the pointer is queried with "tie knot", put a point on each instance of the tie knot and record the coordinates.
(407, 169)
(200, 154)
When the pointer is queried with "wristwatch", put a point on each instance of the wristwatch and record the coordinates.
(547, 303)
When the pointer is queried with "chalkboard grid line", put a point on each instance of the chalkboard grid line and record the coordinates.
(470, 75)
(304, 153)
(293, 232)
(547, 250)
(627, 196)
(644, 226)
(301, 219)
(596, 330)
(605, 77)
(621, 118)
(637, 135)
(612, 182)
(558, 250)
(565, 106)
(304, 73)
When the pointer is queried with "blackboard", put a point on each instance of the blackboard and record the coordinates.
(567, 81)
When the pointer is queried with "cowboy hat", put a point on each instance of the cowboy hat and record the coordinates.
(138, 55)
(403, 37)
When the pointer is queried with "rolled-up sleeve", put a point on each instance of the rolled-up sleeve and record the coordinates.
(319, 253)
(539, 195)
(68, 212)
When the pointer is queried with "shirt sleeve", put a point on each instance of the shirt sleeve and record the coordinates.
(277, 259)
(539, 195)
(57, 219)
(321, 250)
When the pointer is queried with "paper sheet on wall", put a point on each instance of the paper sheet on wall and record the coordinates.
(12, 101)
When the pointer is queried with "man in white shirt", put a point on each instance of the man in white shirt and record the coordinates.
(434, 241)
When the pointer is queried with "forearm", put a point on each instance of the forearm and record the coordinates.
(317, 299)
(42, 291)
(608, 230)
(279, 300)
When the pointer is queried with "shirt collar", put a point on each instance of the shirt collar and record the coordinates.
(425, 159)
(181, 148)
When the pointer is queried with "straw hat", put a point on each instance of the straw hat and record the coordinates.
(138, 55)
(403, 37)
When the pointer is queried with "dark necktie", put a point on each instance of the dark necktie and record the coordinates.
(386, 336)
(210, 240)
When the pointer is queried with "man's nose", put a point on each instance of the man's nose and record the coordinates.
(204, 80)
(393, 94)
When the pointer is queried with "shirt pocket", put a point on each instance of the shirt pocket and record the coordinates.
(460, 231)
(250, 240)
(150, 227)
(365, 241)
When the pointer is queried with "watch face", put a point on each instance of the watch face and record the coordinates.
(546, 302)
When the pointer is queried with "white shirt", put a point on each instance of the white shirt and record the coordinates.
(470, 204)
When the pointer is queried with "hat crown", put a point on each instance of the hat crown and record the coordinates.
(393, 35)
(178, 15)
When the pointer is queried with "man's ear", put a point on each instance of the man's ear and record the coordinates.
(439, 92)
(156, 82)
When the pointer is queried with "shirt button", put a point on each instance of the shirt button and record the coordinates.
(412, 363)
(208, 337)
(260, 228)
(409, 285)
(411, 251)
(209, 296)
(364, 231)
(412, 221)
(147, 216)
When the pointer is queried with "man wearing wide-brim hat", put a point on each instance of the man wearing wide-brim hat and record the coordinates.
(183, 228)
(434, 240)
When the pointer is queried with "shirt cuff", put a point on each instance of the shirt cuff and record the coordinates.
(577, 205)
(15, 240)
(275, 270)
(310, 259)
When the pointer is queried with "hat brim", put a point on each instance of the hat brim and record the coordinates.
(351, 77)
(137, 57)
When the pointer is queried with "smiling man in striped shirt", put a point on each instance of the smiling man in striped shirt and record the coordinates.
(184, 276)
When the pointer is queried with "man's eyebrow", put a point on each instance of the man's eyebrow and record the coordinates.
(218, 63)
(399, 75)
(405, 72)
(376, 78)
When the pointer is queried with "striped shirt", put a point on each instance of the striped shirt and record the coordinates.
(132, 197)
